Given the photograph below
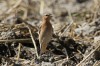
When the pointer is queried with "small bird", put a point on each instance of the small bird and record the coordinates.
(46, 31)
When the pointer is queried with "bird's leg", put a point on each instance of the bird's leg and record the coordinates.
(43, 48)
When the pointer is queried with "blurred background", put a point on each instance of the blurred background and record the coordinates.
(80, 10)
(63, 11)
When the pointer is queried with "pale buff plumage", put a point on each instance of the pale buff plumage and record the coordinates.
(46, 32)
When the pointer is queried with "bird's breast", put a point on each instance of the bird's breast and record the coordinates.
(46, 34)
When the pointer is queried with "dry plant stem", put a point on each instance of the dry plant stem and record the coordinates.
(16, 5)
(14, 58)
(19, 49)
(29, 25)
(6, 64)
(32, 37)
(68, 27)
(41, 7)
(8, 49)
(97, 63)
(7, 13)
(17, 40)
(32, 62)
(62, 60)
(62, 29)
(96, 11)
(66, 53)
(80, 52)
(97, 32)
(25, 10)
(88, 56)
(70, 23)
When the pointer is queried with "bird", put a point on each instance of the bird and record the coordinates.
(46, 32)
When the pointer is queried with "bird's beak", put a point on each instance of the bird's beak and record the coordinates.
(50, 15)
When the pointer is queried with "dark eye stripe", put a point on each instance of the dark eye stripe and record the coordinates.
(46, 15)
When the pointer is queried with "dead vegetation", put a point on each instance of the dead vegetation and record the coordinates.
(76, 26)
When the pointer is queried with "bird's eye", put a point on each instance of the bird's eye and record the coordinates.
(46, 15)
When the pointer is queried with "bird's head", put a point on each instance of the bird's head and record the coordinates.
(47, 17)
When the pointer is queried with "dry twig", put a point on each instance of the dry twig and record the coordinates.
(19, 49)
(12, 8)
(17, 40)
(88, 56)
(32, 36)
(41, 7)
(72, 21)
(34, 43)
